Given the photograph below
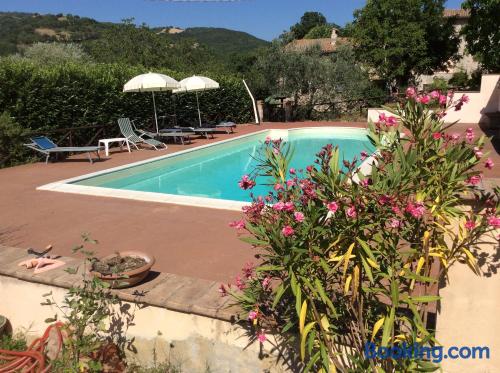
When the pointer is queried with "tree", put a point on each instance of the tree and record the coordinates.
(50, 53)
(482, 32)
(307, 22)
(138, 45)
(318, 32)
(311, 78)
(401, 39)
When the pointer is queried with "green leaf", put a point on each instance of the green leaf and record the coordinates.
(388, 327)
(425, 298)
(303, 339)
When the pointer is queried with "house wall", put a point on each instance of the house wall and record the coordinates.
(487, 100)
(195, 342)
(465, 63)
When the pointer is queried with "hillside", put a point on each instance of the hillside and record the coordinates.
(221, 40)
(20, 29)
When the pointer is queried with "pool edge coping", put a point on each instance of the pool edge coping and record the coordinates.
(66, 186)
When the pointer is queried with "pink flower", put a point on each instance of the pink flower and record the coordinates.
(289, 206)
(252, 315)
(435, 95)
(261, 337)
(290, 183)
(437, 135)
(384, 199)
(394, 223)
(268, 139)
(237, 224)
(470, 224)
(276, 151)
(222, 290)
(365, 182)
(455, 136)
(364, 155)
(478, 152)
(416, 210)
(396, 210)
(309, 168)
(240, 284)
(292, 171)
(248, 270)
(443, 100)
(410, 92)
(382, 117)
(299, 217)
(246, 183)
(287, 231)
(279, 206)
(494, 221)
(425, 99)
(351, 212)
(489, 164)
(391, 121)
(332, 207)
(278, 187)
(469, 134)
(266, 282)
(474, 180)
(464, 99)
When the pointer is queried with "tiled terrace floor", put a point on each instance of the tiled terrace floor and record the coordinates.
(187, 241)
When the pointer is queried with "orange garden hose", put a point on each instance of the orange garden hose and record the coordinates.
(32, 360)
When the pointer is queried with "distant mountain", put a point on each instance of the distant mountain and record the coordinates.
(221, 40)
(21, 29)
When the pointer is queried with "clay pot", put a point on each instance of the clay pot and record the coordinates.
(3, 324)
(132, 277)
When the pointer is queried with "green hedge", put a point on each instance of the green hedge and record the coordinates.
(69, 95)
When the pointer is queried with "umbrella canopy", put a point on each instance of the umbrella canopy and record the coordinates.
(196, 84)
(151, 82)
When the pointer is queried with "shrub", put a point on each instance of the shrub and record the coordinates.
(460, 80)
(43, 98)
(318, 32)
(439, 84)
(12, 151)
(350, 259)
(54, 53)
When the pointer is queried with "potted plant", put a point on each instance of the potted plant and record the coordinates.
(122, 269)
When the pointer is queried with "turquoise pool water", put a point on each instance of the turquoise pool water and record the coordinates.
(214, 171)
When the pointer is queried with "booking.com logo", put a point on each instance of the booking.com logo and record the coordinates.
(436, 354)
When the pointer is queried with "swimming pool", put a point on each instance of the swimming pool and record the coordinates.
(210, 174)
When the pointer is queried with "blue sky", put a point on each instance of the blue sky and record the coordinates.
(263, 18)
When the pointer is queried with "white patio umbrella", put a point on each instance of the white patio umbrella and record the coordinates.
(196, 84)
(151, 82)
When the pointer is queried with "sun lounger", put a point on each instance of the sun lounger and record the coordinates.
(47, 147)
(127, 131)
(227, 126)
(176, 135)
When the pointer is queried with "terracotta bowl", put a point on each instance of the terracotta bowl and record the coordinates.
(132, 277)
(3, 324)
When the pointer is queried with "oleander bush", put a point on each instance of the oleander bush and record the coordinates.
(349, 259)
(47, 97)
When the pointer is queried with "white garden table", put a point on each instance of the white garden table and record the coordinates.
(120, 140)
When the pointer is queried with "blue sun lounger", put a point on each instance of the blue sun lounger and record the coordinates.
(47, 147)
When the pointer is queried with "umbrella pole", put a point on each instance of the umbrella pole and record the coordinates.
(156, 118)
(198, 104)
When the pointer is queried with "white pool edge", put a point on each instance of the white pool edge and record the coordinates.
(65, 186)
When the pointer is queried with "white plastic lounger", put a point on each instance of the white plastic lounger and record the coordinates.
(127, 131)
